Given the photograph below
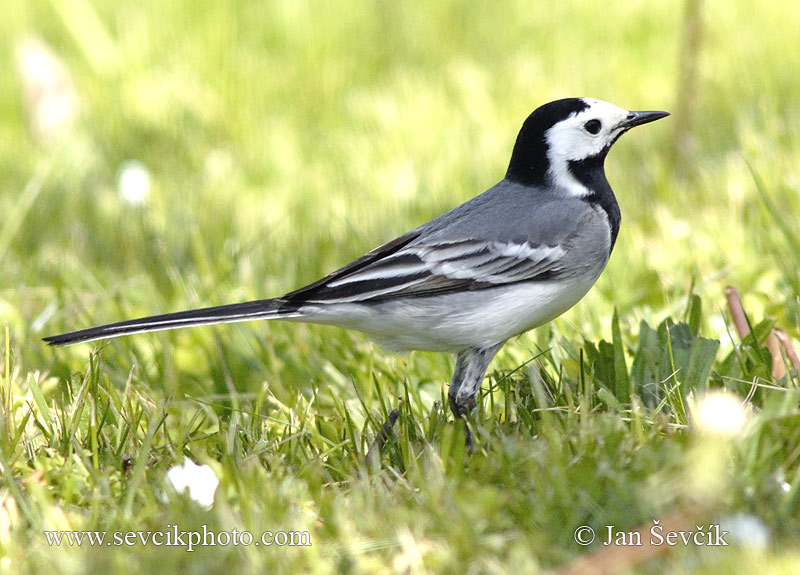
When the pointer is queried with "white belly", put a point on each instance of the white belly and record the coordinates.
(452, 322)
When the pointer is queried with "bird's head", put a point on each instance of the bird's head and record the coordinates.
(561, 139)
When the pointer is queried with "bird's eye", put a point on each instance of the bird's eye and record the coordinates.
(593, 126)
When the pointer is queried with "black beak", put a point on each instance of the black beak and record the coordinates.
(639, 118)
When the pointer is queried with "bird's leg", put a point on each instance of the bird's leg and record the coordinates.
(471, 365)
(383, 436)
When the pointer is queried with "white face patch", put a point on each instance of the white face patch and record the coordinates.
(572, 140)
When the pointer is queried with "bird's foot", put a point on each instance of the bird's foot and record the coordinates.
(460, 410)
(467, 435)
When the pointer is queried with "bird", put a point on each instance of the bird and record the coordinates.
(509, 260)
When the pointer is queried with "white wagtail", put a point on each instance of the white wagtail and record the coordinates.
(509, 260)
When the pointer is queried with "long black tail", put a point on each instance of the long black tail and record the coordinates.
(261, 309)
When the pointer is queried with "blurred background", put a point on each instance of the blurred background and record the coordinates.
(157, 156)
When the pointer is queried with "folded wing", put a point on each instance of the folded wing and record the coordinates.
(418, 269)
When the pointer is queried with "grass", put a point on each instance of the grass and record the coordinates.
(283, 139)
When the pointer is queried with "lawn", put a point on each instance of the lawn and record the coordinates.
(159, 156)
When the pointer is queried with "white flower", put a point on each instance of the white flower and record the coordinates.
(133, 183)
(49, 91)
(200, 480)
(746, 530)
(719, 413)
